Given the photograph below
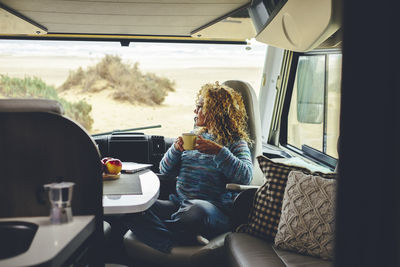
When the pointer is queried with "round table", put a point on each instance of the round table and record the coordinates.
(119, 204)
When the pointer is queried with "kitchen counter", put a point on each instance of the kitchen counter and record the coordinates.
(52, 244)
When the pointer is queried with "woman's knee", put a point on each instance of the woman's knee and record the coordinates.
(212, 217)
(164, 208)
(205, 208)
(196, 212)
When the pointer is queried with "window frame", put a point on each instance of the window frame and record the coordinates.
(308, 152)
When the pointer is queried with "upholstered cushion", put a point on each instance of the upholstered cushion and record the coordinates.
(307, 221)
(266, 210)
(211, 254)
(294, 259)
(254, 126)
(245, 250)
(107, 231)
(30, 105)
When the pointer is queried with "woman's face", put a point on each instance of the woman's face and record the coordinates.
(200, 118)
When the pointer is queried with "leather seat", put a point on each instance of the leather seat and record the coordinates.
(254, 124)
(40, 146)
(244, 250)
(212, 254)
(107, 231)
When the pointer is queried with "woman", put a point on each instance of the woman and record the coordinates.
(221, 155)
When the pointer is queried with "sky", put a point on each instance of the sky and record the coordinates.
(183, 55)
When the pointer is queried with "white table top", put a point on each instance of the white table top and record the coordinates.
(51, 239)
(118, 204)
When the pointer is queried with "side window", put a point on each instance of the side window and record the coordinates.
(314, 108)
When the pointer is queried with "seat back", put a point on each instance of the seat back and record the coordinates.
(254, 124)
(30, 105)
(39, 146)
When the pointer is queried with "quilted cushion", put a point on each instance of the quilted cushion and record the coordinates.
(307, 221)
(266, 210)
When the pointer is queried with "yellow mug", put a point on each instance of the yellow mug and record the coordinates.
(189, 141)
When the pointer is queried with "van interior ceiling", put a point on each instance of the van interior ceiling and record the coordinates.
(278, 23)
(187, 21)
(301, 35)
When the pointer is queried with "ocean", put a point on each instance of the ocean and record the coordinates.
(149, 55)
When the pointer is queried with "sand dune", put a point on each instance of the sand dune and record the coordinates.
(175, 115)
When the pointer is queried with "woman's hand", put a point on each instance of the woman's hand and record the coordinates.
(179, 144)
(207, 146)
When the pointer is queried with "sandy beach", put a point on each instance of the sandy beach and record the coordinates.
(175, 115)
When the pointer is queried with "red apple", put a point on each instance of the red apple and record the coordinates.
(113, 166)
(103, 162)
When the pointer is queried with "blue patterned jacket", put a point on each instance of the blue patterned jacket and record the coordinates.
(204, 176)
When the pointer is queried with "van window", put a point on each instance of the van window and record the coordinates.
(105, 86)
(313, 118)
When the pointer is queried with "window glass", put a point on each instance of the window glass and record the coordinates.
(304, 126)
(106, 87)
(313, 118)
(310, 89)
(333, 99)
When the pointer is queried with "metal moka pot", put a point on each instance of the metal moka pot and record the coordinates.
(60, 196)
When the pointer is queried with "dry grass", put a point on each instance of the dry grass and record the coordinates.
(33, 87)
(126, 82)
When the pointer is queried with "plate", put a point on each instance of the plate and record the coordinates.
(108, 176)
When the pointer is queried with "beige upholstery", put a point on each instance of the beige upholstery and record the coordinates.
(254, 124)
(31, 105)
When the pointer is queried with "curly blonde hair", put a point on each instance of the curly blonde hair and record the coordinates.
(224, 112)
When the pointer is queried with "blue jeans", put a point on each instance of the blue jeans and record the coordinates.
(173, 222)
